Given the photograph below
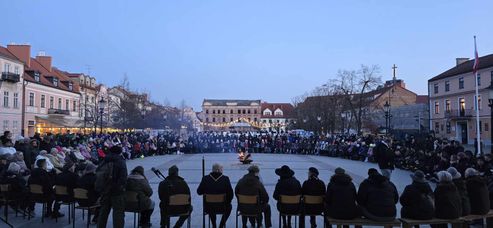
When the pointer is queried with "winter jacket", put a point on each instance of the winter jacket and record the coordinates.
(384, 156)
(378, 196)
(216, 183)
(417, 201)
(139, 184)
(464, 196)
(172, 185)
(478, 195)
(41, 177)
(341, 198)
(119, 178)
(289, 186)
(313, 187)
(250, 185)
(69, 180)
(447, 201)
(87, 182)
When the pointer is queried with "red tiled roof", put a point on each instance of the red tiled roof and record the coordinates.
(6, 53)
(286, 108)
(45, 74)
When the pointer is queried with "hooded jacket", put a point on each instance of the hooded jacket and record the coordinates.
(447, 201)
(417, 201)
(464, 196)
(250, 185)
(173, 185)
(287, 185)
(140, 185)
(313, 187)
(119, 180)
(478, 195)
(216, 183)
(341, 196)
(378, 196)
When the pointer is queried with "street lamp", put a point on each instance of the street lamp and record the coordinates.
(386, 109)
(490, 101)
(101, 102)
(319, 118)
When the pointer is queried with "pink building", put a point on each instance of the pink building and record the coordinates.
(11, 81)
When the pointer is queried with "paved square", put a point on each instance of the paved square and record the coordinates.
(191, 169)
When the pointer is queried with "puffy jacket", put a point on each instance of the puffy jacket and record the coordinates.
(478, 195)
(464, 196)
(379, 196)
(417, 201)
(341, 197)
(447, 201)
(251, 185)
(139, 184)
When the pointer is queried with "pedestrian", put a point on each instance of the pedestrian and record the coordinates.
(384, 157)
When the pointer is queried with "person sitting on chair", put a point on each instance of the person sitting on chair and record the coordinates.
(313, 187)
(87, 182)
(172, 185)
(138, 183)
(287, 185)
(217, 183)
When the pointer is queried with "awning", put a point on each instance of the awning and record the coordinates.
(58, 121)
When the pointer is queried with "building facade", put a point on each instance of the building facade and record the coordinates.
(11, 95)
(276, 116)
(452, 101)
(230, 114)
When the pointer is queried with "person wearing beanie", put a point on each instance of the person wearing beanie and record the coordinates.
(447, 199)
(138, 183)
(460, 184)
(479, 195)
(341, 197)
(250, 184)
(377, 197)
(173, 184)
(313, 186)
(417, 198)
(18, 185)
(287, 185)
(87, 182)
(113, 196)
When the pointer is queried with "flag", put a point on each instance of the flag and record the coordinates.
(476, 58)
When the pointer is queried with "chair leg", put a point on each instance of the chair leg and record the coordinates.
(83, 214)
(6, 212)
(236, 219)
(280, 225)
(69, 212)
(43, 211)
(135, 218)
(88, 217)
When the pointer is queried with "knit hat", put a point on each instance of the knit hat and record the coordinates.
(173, 171)
(455, 174)
(339, 171)
(470, 172)
(14, 168)
(444, 176)
(253, 169)
(314, 171)
(140, 170)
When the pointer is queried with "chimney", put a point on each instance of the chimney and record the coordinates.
(22, 52)
(44, 60)
(459, 61)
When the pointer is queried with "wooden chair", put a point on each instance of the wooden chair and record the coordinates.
(248, 201)
(6, 200)
(179, 200)
(410, 223)
(131, 197)
(81, 194)
(285, 200)
(65, 198)
(214, 199)
(362, 222)
(309, 200)
(488, 217)
(37, 195)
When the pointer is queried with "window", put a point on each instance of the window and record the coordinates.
(231, 119)
(480, 126)
(248, 111)
(447, 105)
(486, 126)
(213, 111)
(462, 105)
(36, 76)
(6, 67)
(5, 99)
(5, 125)
(224, 119)
(231, 112)
(479, 79)
(15, 125)
(206, 111)
(43, 101)
(255, 119)
(67, 105)
(16, 69)
(239, 111)
(224, 111)
(60, 103)
(244, 111)
(55, 82)
(255, 111)
(16, 100)
(461, 83)
(437, 127)
(448, 127)
(51, 102)
(206, 120)
(435, 88)
(437, 107)
(70, 86)
(31, 99)
(447, 86)
(213, 119)
(74, 106)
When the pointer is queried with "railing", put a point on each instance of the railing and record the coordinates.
(11, 77)
(58, 111)
(459, 113)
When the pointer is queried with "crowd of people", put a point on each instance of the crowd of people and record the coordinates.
(96, 162)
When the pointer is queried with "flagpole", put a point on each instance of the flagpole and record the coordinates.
(478, 134)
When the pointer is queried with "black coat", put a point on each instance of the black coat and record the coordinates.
(478, 195)
(216, 183)
(447, 201)
(289, 186)
(41, 177)
(417, 201)
(67, 179)
(119, 180)
(464, 196)
(384, 156)
(251, 185)
(87, 182)
(139, 184)
(341, 198)
(172, 185)
(18, 185)
(313, 187)
(378, 196)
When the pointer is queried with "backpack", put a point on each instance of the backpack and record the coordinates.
(104, 177)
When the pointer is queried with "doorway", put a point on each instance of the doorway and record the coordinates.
(462, 132)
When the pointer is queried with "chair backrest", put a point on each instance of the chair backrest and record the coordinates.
(215, 198)
(36, 189)
(81, 194)
(284, 199)
(4, 188)
(131, 196)
(247, 199)
(308, 199)
(61, 190)
(179, 200)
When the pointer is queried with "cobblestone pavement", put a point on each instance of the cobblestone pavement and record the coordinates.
(191, 169)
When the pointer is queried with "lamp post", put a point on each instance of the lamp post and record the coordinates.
(319, 118)
(101, 102)
(143, 114)
(386, 109)
(490, 101)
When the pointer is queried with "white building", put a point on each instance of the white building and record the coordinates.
(11, 82)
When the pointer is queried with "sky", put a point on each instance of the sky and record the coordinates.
(227, 49)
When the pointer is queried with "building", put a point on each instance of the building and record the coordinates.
(11, 95)
(51, 101)
(276, 116)
(452, 101)
(230, 114)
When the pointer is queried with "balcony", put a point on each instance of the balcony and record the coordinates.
(10, 77)
(459, 113)
(53, 111)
